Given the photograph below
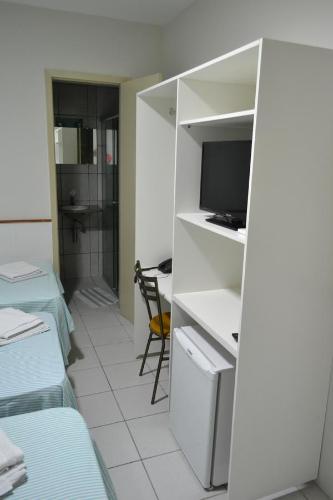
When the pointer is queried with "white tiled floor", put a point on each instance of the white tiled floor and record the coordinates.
(133, 436)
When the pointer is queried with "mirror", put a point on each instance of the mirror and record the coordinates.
(75, 145)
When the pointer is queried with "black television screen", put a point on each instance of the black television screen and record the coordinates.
(225, 171)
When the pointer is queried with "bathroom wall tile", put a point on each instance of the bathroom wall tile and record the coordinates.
(100, 187)
(93, 187)
(99, 132)
(60, 222)
(100, 239)
(72, 99)
(74, 169)
(108, 269)
(108, 235)
(90, 122)
(94, 242)
(62, 269)
(77, 266)
(100, 154)
(94, 221)
(92, 169)
(78, 182)
(91, 100)
(58, 185)
(61, 242)
(100, 264)
(80, 246)
(107, 101)
(67, 222)
(94, 264)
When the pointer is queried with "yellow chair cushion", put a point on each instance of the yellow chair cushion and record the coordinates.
(154, 325)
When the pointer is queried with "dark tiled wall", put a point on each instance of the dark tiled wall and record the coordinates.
(84, 257)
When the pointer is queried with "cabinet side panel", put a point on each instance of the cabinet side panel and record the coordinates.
(155, 166)
(285, 349)
(325, 477)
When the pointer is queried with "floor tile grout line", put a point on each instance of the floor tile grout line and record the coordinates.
(101, 366)
(122, 465)
(109, 383)
(145, 416)
(150, 480)
(92, 394)
(105, 425)
(112, 390)
(120, 410)
(160, 454)
(304, 495)
(117, 403)
(131, 386)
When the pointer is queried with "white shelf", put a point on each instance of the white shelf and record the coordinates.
(237, 119)
(217, 311)
(164, 89)
(199, 220)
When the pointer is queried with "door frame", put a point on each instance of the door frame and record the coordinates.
(52, 75)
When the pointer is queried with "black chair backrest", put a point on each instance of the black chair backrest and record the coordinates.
(149, 290)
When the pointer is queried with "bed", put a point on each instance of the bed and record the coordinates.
(60, 457)
(44, 293)
(32, 373)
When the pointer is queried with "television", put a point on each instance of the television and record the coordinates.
(225, 171)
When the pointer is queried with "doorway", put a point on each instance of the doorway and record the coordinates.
(86, 137)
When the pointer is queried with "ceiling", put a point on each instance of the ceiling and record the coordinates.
(157, 12)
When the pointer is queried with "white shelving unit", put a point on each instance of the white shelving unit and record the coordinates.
(272, 286)
(199, 219)
(238, 119)
(204, 308)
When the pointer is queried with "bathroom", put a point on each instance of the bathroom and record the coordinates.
(86, 156)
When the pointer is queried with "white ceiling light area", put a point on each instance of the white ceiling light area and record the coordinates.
(158, 12)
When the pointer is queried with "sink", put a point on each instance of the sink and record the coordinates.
(74, 208)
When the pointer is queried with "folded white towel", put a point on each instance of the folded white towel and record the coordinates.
(5, 487)
(12, 477)
(29, 333)
(10, 454)
(14, 474)
(21, 329)
(14, 321)
(15, 270)
(24, 278)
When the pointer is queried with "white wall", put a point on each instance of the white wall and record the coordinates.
(210, 28)
(25, 241)
(32, 39)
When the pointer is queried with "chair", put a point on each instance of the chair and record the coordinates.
(159, 325)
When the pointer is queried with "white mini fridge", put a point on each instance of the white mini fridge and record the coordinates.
(202, 391)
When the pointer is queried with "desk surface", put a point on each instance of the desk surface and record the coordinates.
(164, 286)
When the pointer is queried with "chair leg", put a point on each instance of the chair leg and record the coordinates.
(157, 376)
(145, 354)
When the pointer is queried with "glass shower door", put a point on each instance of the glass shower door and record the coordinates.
(110, 226)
